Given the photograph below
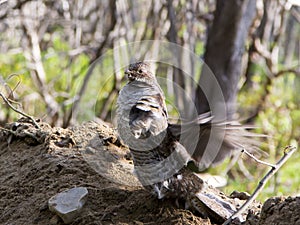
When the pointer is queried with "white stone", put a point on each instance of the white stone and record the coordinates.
(67, 204)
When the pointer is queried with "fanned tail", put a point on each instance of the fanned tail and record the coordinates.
(209, 142)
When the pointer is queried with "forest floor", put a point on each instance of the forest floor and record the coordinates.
(37, 163)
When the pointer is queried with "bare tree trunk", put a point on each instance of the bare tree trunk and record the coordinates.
(224, 50)
(290, 41)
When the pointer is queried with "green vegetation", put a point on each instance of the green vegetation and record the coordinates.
(67, 38)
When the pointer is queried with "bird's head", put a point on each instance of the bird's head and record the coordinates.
(140, 71)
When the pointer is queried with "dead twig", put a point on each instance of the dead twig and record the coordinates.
(288, 151)
(18, 111)
(92, 63)
(256, 159)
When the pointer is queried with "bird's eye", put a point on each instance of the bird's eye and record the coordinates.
(140, 71)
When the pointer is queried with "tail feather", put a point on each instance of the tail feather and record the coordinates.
(211, 142)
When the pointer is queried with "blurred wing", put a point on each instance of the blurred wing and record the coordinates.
(210, 143)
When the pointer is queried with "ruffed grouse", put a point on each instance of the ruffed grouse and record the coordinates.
(162, 163)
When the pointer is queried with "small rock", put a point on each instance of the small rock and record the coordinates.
(68, 204)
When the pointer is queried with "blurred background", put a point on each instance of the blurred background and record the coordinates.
(252, 47)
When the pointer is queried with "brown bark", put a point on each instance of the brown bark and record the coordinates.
(224, 50)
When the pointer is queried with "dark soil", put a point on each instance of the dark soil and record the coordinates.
(37, 163)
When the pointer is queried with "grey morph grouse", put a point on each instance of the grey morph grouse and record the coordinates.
(164, 165)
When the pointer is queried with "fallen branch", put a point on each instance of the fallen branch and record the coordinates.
(18, 111)
(288, 151)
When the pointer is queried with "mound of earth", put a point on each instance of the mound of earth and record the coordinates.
(38, 162)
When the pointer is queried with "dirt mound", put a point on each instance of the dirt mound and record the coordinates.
(280, 210)
(37, 163)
